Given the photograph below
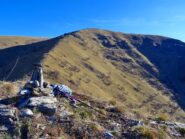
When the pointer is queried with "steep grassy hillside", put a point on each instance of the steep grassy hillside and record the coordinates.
(8, 41)
(141, 73)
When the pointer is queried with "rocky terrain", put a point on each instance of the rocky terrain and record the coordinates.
(143, 73)
(35, 117)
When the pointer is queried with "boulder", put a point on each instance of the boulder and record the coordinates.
(7, 116)
(180, 125)
(3, 129)
(48, 109)
(7, 112)
(37, 101)
(26, 113)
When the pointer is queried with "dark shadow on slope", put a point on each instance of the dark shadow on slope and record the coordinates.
(29, 54)
(168, 55)
(116, 45)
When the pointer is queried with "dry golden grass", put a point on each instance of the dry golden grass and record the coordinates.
(146, 132)
(162, 117)
(80, 61)
(8, 41)
(8, 89)
(96, 76)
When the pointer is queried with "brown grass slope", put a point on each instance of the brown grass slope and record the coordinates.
(142, 73)
(8, 41)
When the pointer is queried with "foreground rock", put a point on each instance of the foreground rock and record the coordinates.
(26, 113)
(7, 116)
(48, 109)
(37, 101)
(48, 117)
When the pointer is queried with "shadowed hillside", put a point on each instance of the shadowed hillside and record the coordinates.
(26, 55)
(141, 73)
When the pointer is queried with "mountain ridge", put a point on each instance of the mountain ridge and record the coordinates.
(9, 41)
(130, 69)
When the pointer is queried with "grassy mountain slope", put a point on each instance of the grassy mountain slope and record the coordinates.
(8, 41)
(140, 72)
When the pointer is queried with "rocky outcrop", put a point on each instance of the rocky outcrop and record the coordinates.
(37, 101)
(7, 116)
(48, 109)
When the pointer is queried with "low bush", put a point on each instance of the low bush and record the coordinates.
(24, 129)
(83, 115)
(94, 127)
(6, 136)
(182, 131)
(147, 132)
(162, 117)
(112, 102)
(162, 134)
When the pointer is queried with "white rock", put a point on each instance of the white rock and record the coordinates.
(36, 101)
(7, 115)
(25, 92)
(6, 111)
(26, 113)
(181, 125)
(153, 122)
(3, 128)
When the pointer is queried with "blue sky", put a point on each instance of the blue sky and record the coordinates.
(49, 18)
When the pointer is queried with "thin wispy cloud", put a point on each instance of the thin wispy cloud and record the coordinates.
(159, 26)
(141, 21)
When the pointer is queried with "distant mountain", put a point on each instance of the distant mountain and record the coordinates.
(7, 41)
(143, 73)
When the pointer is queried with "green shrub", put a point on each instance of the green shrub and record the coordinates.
(115, 133)
(161, 134)
(164, 127)
(7, 136)
(83, 115)
(24, 130)
(36, 110)
(182, 131)
(93, 127)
